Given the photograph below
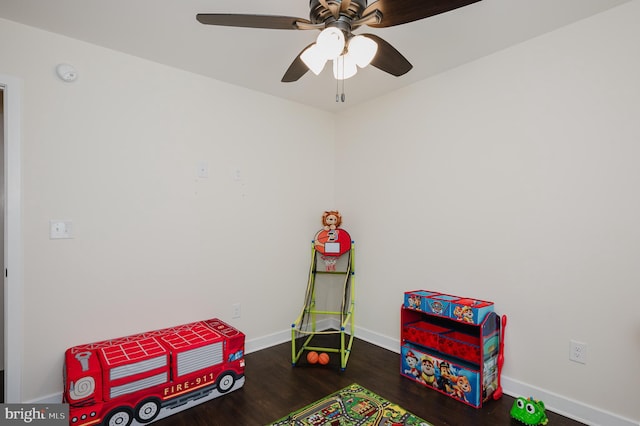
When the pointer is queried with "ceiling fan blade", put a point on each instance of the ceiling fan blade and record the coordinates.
(297, 68)
(344, 5)
(396, 12)
(251, 21)
(333, 8)
(388, 59)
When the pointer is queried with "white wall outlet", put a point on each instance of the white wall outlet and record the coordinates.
(578, 352)
(235, 310)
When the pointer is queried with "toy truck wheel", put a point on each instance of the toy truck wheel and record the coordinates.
(148, 410)
(225, 382)
(121, 416)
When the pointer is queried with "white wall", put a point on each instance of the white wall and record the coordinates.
(514, 179)
(155, 245)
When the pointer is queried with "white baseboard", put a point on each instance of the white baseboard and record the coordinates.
(264, 342)
(559, 404)
(54, 398)
(254, 345)
(564, 406)
(378, 339)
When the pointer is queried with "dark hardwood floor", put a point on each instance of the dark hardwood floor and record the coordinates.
(274, 388)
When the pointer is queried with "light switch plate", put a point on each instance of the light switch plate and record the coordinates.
(60, 229)
(202, 170)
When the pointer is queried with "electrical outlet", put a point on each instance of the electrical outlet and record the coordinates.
(235, 310)
(578, 352)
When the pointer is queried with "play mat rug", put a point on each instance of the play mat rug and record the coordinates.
(351, 406)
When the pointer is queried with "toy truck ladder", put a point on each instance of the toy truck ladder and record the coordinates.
(327, 330)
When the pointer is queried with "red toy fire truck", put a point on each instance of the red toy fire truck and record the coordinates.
(144, 377)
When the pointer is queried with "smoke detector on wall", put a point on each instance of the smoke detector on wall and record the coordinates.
(66, 72)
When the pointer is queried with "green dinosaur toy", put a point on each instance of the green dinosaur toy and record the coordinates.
(529, 411)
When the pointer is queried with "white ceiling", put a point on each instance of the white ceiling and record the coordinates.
(167, 32)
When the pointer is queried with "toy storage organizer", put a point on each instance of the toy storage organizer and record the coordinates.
(450, 344)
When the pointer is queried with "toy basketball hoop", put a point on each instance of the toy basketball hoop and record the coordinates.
(331, 245)
(330, 262)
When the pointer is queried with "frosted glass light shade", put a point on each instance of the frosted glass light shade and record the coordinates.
(362, 50)
(330, 42)
(344, 67)
(313, 59)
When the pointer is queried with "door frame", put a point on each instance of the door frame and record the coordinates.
(13, 274)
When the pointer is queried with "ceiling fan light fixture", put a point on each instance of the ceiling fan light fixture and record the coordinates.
(363, 50)
(314, 59)
(337, 19)
(344, 67)
(330, 42)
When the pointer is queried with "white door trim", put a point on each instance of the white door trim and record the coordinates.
(13, 286)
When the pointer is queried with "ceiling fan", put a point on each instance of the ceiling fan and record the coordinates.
(337, 19)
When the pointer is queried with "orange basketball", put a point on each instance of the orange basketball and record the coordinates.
(312, 357)
(323, 358)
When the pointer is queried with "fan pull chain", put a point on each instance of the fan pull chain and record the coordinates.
(340, 97)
